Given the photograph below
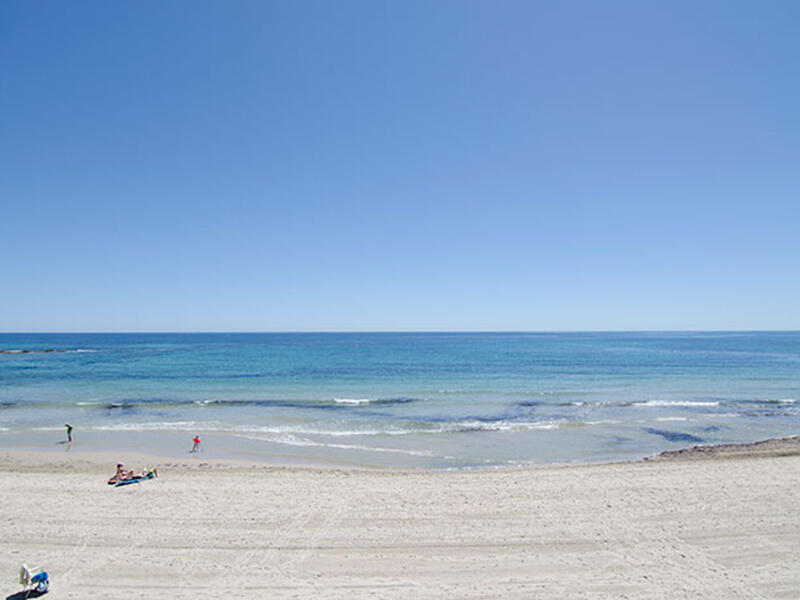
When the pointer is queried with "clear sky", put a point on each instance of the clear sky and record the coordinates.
(375, 165)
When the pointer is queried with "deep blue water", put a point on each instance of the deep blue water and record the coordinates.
(407, 399)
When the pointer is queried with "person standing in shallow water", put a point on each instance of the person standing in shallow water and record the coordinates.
(69, 432)
(196, 446)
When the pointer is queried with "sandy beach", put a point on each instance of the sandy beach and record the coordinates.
(719, 523)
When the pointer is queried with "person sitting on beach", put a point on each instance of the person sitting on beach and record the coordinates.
(123, 475)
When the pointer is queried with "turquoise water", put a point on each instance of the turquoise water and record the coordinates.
(400, 399)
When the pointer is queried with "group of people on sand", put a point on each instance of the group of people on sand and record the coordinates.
(124, 475)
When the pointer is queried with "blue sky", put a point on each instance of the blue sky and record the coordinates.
(273, 166)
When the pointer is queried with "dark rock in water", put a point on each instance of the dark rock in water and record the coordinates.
(121, 406)
(789, 446)
(29, 351)
(674, 436)
(397, 400)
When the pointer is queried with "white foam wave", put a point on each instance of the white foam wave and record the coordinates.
(786, 401)
(667, 403)
(671, 419)
(159, 426)
(352, 401)
(293, 440)
(215, 426)
(463, 426)
(510, 425)
(450, 427)
(304, 430)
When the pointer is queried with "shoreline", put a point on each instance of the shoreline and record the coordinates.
(16, 459)
(718, 524)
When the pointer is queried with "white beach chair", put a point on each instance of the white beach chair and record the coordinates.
(28, 578)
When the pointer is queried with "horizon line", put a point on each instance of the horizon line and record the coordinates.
(433, 331)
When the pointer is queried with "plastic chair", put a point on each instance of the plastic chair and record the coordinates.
(28, 578)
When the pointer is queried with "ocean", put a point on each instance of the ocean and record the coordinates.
(411, 400)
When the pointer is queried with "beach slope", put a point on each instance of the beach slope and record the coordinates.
(699, 524)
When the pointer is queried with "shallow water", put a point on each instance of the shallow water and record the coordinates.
(400, 399)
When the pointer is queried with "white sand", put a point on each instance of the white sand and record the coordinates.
(722, 524)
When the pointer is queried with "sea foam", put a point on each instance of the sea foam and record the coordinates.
(675, 403)
(353, 401)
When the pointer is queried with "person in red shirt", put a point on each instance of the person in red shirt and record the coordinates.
(196, 440)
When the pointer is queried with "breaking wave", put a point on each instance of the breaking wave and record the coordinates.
(457, 426)
(676, 403)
